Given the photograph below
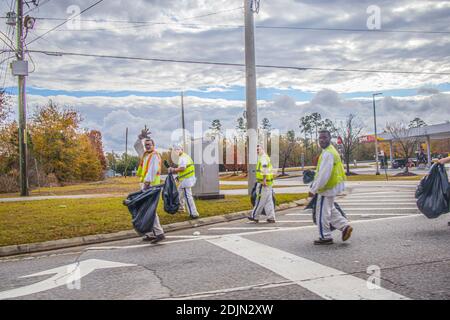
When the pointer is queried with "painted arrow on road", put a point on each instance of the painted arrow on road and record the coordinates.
(68, 275)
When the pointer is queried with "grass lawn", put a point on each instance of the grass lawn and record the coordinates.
(36, 221)
(108, 186)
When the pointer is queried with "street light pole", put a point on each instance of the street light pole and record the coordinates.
(183, 125)
(375, 128)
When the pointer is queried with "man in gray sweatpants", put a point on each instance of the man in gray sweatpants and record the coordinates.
(328, 183)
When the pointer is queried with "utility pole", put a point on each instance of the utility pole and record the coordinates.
(126, 152)
(22, 102)
(375, 128)
(250, 92)
(183, 125)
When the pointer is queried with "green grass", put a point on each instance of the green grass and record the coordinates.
(44, 220)
(107, 186)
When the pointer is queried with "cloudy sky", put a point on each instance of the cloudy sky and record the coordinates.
(113, 94)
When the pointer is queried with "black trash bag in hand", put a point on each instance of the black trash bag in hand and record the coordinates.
(170, 195)
(308, 176)
(432, 193)
(253, 198)
(312, 205)
(142, 206)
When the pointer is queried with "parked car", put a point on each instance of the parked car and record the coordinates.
(401, 163)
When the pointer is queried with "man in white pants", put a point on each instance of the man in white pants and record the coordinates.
(149, 171)
(328, 183)
(186, 178)
(264, 180)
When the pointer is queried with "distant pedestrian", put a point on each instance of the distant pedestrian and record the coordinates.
(328, 183)
(149, 171)
(264, 191)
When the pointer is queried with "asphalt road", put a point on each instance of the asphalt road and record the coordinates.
(401, 253)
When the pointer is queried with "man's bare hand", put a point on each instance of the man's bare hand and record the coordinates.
(145, 133)
(310, 194)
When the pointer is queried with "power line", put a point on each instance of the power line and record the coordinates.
(4, 71)
(59, 25)
(39, 5)
(155, 23)
(352, 30)
(58, 53)
(212, 13)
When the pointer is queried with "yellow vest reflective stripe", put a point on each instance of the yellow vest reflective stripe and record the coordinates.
(189, 171)
(261, 171)
(143, 168)
(337, 174)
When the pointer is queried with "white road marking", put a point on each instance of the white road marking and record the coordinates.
(275, 229)
(356, 214)
(243, 228)
(364, 203)
(326, 282)
(379, 209)
(64, 275)
(380, 195)
(219, 292)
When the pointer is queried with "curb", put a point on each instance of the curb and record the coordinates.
(129, 234)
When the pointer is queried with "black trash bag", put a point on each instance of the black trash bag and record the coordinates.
(432, 193)
(312, 205)
(142, 206)
(308, 176)
(253, 198)
(170, 195)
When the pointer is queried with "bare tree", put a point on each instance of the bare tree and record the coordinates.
(287, 146)
(404, 135)
(5, 109)
(349, 132)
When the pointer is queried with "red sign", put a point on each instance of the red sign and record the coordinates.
(367, 139)
(339, 140)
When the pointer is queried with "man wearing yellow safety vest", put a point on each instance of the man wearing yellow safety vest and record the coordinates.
(264, 180)
(149, 172)
(328, 183)
(186, 178)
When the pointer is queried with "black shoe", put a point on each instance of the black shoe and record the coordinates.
(323, 241)
(158, 238)
(148, 238)
(346, 233)
(271, 221)
(253, 219)
(194, 217)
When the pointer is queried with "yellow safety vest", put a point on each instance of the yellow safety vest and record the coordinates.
(337, 174)
(189, 171)
(143, 168)
(266, 171)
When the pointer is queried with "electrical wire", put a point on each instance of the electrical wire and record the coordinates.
(153, 23)
(61, 24)
(58, 53)
(39, 5)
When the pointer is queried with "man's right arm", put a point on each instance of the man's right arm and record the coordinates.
(324, 173)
